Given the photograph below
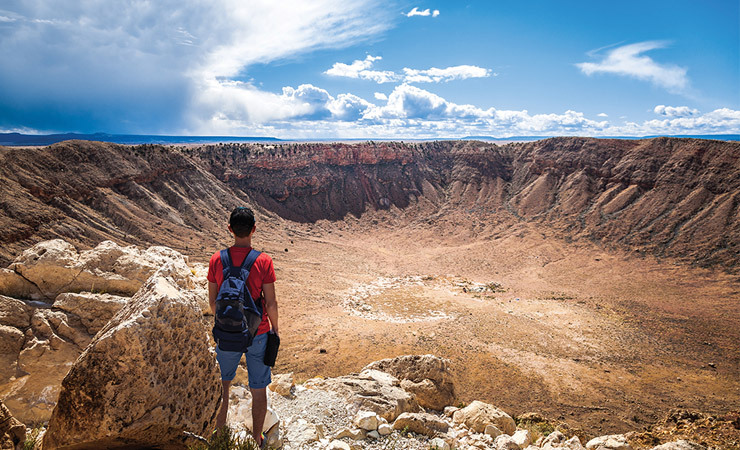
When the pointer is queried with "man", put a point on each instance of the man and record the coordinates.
(261, 280)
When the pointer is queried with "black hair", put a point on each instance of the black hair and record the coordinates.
(241, 221)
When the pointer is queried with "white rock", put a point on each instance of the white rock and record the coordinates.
(450, 410)
(367, 420)
(522, 438)
(438, 444)
(283, 384)
(505, 442)
(384, 429)
(352, 433)
(479, 414)
(609, 442)
(301, 432)
(374, 435)
(338, 445)
(492, 431)
(572, 444)
(553, 439)
(679, 445)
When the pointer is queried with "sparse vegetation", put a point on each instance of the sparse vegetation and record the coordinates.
(31, 437)
(225, 439)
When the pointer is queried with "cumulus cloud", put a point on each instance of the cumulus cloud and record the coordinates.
(380, 96)
(629, 60)
(602, 115)
(361, 69)
(675, 111)
(425, 13)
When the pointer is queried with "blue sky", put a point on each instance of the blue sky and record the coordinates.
(367, 69)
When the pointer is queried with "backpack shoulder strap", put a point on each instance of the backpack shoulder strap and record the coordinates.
(226, 262)
(250, 259)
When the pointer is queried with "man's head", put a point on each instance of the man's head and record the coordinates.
(241, 221)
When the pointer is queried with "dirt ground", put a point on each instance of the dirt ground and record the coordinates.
(603, 340)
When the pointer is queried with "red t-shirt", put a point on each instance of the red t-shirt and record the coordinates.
(262, 273)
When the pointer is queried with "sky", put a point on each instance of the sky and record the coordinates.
(369, 69)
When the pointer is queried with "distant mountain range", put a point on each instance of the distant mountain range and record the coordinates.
(18, 139)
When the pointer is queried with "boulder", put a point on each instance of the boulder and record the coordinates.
(679, 445)
(14, 285)
(283, 384)
(51, 343)
(94, 310)
(352, 433)
(479, 414)
(55, 267)
(505, 442)
(338, 445)
(147, 377)
(522, 438)
(609, 442)
(12, 432)
(11, 342)
(422, 423)
(492, 431)
(15, 313)
(384, 429)
(428, 377)
(573, 443)
(368, 391)
(554, 439)
(367, 420)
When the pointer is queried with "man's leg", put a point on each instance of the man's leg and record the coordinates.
(259, 409)
(221, 418)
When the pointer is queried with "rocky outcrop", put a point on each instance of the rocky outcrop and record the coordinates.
(148, 376)
(12, 432)
(370, 390)
(428, 377)
(55, 267)
(477, 415)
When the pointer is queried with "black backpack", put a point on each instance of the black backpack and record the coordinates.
(238, 316)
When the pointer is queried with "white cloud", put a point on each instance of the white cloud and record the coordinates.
(675, 111)
(629, 60)
(425, 13)
(361, 69)
(380, 96)
(435, 75)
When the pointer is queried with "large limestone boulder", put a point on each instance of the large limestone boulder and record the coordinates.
(147, 377)
(14, 285)
(56, 267)
(479, 414)
(370, 390)
(428, 377)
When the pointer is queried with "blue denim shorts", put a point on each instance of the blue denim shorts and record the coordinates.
(259, 374)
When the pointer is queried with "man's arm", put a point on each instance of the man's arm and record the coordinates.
(212, 294)
(271, 306)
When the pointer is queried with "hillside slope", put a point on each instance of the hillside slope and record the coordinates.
(667, 197)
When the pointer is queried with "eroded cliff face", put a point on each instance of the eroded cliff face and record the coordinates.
(667, 197)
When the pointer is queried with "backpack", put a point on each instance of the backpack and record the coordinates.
(237, 314)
